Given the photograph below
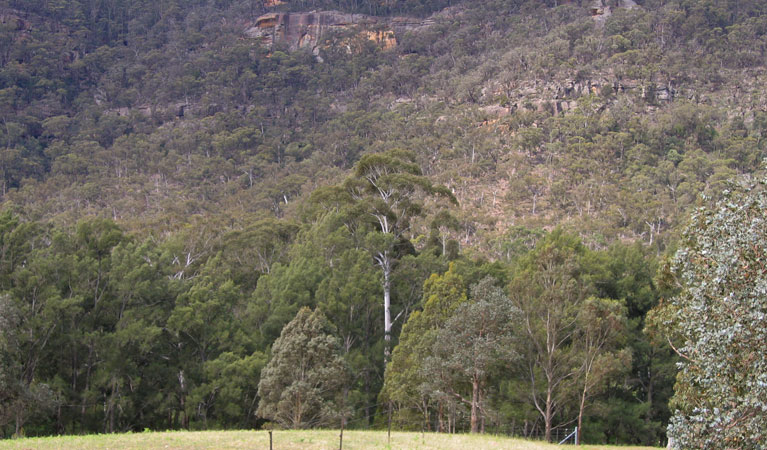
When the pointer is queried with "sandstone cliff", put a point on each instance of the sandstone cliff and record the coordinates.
(306, 29)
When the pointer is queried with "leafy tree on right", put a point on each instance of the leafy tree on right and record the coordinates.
(717, 324)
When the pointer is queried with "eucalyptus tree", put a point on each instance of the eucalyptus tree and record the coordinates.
(601, 326)
(716, 325)
(548, 288)
(202, 325)
(441, 226)
(348, 295)
(641, 401)
(23, 341)
(478, 336)
(388, 188)
(405, 376)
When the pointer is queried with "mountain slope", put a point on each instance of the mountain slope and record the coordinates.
(533, 115)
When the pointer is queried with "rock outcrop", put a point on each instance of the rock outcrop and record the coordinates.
(562, 96)
(307, 29)
(600, 9)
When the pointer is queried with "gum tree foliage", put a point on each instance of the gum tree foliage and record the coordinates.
(302, 383)
(202, 326)
(601, 326)
(549, 287)
(637, 409)
(717, 321)
(20, 396)
(404, 378)
(387, 187)
(478, 337)
(29, 312)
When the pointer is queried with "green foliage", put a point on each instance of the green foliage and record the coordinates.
(388, 183)
(404, 377)
(717, 322)
(386, 193)
(100, 333)
(281, 293)
(350, 297)
(601, 327)
(230, 390)
(549, 288)
(478, 336)
(221, 163)
(301, 386)
(628, 274)
(21, 396)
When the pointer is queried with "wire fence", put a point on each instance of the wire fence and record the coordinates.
(395, 420)
(560, 436)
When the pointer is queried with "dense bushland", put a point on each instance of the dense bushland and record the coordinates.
(174, 192)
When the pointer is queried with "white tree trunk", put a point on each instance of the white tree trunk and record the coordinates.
(386, 266)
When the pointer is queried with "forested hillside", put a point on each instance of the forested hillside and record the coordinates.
(181, 177)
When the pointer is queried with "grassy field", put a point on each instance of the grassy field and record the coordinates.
(284, 440)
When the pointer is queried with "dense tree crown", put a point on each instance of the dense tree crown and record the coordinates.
(716, 323)
(301, 386)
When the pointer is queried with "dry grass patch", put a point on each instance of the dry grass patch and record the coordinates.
(285, 440)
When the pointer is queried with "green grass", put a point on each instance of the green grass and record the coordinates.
(285, 440)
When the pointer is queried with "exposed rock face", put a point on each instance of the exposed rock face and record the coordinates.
(562, 96)
(305, 30)
(600, 9)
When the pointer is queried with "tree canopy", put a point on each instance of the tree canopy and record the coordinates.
(302, 385)
(716, 324)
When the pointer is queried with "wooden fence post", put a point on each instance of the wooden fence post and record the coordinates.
(388, 434)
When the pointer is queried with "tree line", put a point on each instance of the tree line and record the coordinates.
(104, 331)
(454, 351)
